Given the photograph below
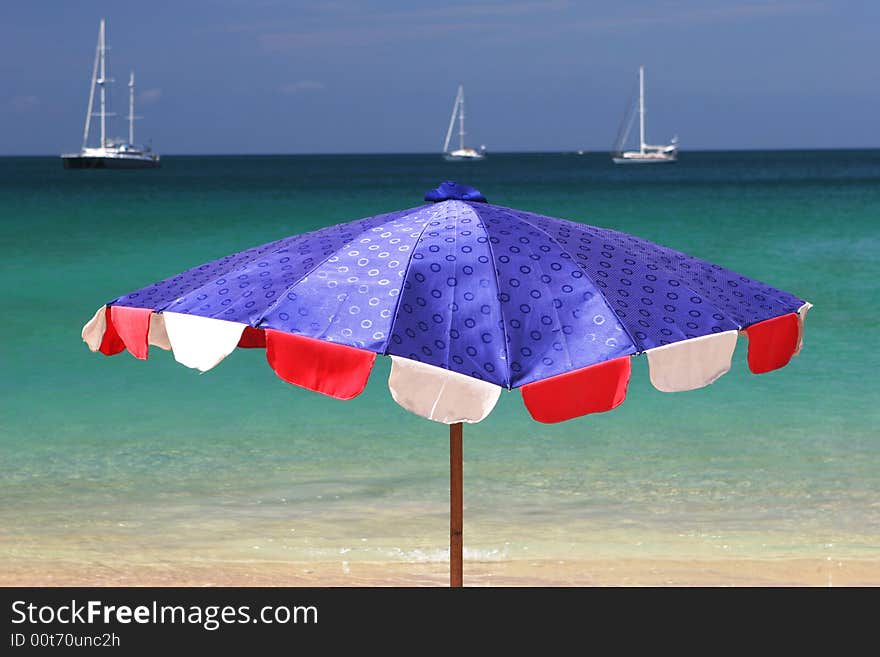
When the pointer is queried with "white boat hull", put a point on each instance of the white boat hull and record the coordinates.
(454, 157)
(666, 159)
(77, 161)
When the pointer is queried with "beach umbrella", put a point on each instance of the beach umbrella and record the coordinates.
(467, 299)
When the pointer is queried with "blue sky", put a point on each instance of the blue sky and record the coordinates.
(332, 76)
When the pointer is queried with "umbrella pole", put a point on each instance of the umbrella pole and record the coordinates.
(455, 505)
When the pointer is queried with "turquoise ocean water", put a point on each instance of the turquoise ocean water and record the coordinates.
(116, 461)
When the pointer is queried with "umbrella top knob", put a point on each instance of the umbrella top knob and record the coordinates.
(450, 190)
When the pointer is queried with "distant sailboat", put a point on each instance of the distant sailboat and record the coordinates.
(462, 153)
(646, 154)
(110, 153)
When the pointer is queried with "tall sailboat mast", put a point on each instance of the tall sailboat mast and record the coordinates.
(102, 81)
(641, 108)
(100, 78)
(131, 108)
(92, 87)
(461, 117)
(455, 110)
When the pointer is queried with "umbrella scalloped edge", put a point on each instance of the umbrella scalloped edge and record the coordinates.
(93, 331)
(439, 394)
(341, 371)
(773, 342)
(335, 370)
(691, 364)
(132, 325)
(802, 317)
(594, 389)
(201, 342)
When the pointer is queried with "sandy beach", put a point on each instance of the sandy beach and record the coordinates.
(623, 572)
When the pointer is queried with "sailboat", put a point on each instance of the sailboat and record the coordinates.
(110, 153)
(462, 153)
(646, 154)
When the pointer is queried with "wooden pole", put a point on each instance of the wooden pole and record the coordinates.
(456, 506)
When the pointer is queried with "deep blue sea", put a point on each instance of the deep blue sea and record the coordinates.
(123, 462)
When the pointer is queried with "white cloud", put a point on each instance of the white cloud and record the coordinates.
(302, 86)
(24, 103)
(149, 95)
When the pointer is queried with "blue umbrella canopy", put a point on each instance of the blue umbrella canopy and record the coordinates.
(468, 299)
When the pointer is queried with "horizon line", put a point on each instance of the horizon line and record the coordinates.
(499, 152)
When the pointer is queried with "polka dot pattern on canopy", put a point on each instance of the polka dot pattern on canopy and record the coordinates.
(743, 299)
(351, 297)
(661, 295)
(449, 314)
(187, 289)
(519, 309)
